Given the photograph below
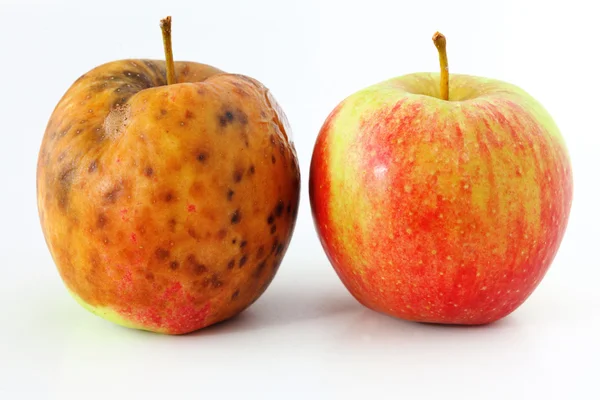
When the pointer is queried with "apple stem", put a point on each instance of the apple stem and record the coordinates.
(440, 43)
(165, 27)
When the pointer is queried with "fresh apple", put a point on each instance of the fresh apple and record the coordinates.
(441, 198)
(167, 192)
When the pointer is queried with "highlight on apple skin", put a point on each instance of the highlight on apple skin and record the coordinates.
(167, 207)
(442, 211)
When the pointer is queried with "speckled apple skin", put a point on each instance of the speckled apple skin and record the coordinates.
(167, 208)
(441, 211)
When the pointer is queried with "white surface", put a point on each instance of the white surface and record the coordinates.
(306, 337)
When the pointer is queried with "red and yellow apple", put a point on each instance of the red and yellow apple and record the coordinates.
(167, 207)
(443, 211)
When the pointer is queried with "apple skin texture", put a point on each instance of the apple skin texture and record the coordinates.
(441, 211)
(167, 208)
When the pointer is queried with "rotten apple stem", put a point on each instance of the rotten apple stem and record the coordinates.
(165, 27)
(440, 43)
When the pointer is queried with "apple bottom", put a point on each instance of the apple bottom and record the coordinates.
(184, 317)
(460, 297)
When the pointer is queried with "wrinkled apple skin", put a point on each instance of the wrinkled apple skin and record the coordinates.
(441, 211)
(167, 208)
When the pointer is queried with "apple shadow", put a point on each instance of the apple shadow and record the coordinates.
(284, 306)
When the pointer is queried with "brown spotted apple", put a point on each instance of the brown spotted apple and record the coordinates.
(167, 192)
(441, 198)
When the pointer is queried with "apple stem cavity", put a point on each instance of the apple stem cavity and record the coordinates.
(165, 27)
(440, 43)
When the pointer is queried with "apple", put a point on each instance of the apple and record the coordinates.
(167, 192)
(440, 198)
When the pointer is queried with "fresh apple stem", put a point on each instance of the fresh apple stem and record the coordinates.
(165, 27)
(440, 43)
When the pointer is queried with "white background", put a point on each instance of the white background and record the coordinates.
(306, 337)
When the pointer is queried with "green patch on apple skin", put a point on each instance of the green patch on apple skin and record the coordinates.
(111, 315)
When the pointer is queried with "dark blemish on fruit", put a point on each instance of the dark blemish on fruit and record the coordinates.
(281, 148)
(216, 282)
(66, 177)
(276, 264)
(172, 224)
(189, 114)
(145, 79)
(243, 244)
(279, 208)
(230, 194)
(279, 249)
(289, 207)
(273, 229)
(237, 175)
(271, 219)
(242, 117)
(174, 265)
(222, 233)
(161, 253)
(148, 171)
(102, 221)
(226, 118)
(252, 170)
(260, 252)
(243, 260)
(236, 217)
(112, 196)
(192, 233)
(259, 268)
(199, 269)
(234, 241)
(163, 111)
(275, 244)
(231, 264)
(150, 276)
(195, 266)
(235, 294)
(273, 159)
(169, 197)
(202, 157)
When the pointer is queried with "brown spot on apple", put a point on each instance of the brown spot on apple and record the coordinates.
(236, 217)
(162, 253)
(259, 268)
(113, 195)
(202, 157)
(102, 221)
(195, 266)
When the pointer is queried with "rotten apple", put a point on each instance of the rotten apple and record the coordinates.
(167, 192)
